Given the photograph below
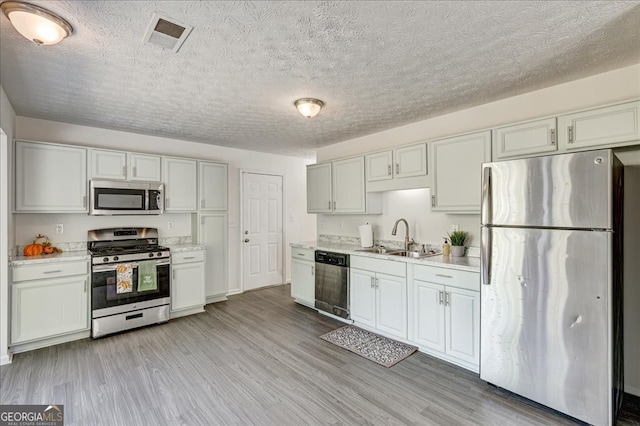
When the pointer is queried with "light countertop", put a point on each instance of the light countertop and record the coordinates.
(66, 256)
(464, 263)
(176, 248)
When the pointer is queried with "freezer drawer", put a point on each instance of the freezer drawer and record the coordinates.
(546, 319)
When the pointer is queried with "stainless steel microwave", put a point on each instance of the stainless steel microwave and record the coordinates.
(125, 198)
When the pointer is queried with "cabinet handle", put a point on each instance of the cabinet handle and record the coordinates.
(443, 276)
(190, 257)
(202, 221)
(570, 134)
(85, 286)
(313, 268)
(329, 204)
(52, 272)
(173, 274)
(433, 201)
(334, 205)
(397, 168)
(84, 201)
(202, 204)
(440, 296)
(377, 282)
(389, 169)
(552, 133)
(166, 203)
(135, 171)
(373, 282)
(124, 171)
(446, 298)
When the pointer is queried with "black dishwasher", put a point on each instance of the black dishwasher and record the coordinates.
(332, 283)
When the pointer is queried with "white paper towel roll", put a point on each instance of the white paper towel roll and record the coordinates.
(366, 235)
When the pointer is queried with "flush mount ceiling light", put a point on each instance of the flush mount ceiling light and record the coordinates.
(35, 23)
(309, 107)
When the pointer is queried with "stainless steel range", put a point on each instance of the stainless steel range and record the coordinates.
(131, 278)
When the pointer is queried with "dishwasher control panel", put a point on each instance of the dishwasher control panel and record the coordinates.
(337, 259)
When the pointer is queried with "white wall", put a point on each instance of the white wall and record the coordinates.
(7, 125)
(293, 169)
(611, 87)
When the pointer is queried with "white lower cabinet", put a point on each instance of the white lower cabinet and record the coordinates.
(213, 233)
(187, 283)
(49, 304)
(303, 278)
(445, 314)
(379, 299)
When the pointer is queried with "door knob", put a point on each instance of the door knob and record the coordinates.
(246, 240)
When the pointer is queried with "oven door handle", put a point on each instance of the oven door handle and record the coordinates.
(113, 266)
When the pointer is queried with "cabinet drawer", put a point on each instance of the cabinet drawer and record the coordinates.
(389, 267)
(303, 253)
(187, 257)
(448, 277)
(49, 270)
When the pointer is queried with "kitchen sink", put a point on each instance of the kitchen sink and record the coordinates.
(374, 250)
(414, 254)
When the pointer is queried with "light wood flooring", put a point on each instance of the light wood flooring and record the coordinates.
(256, 359)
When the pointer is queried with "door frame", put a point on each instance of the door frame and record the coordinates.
(240, 229)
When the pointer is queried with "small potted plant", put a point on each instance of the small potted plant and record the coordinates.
(457, 239)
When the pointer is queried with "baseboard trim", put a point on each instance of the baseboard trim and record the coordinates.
(632, 390)
(215, 299)
(6, 359)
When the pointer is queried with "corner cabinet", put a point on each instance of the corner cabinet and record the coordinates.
(617, 125)
(445, 314)
(50, 178)
(49, 304)
(339, 187)
(525, 139)
(180, 178)
(455, 165)
(187, 283)
(303, 279)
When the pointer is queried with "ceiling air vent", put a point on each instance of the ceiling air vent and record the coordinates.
(166, 32)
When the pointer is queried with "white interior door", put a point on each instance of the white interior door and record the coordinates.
(262, 230)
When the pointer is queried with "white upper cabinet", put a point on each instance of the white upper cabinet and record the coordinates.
(339, 187)
(212, 186)
(616, 125)
(180, 179)
(118, 165)
(410, 161)
(110, 165)
(525, 139)
(50, 178)
(144, 167)
(456, 172)
(379, 166)
(319, 196)
(401, 168)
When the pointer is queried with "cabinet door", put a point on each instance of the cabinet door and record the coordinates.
(362, 295)
(348, 186)
(187, 286)
(180, 180)
(319, 197)
(611, 126)
(212, 186)
(456, 172)
(379, 166)
(108, 164)
(391, 305)
(47, 308)
(463, 324)
(213, 235)
(428, 315)
(521, 140)
(144, 167)
(50, 178)
(303, 281)
(410, 161)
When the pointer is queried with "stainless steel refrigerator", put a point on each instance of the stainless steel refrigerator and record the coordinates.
(551, 299)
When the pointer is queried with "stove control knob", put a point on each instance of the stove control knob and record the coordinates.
(150, 254)
(159, 254)
(106, 259)
(115, 258)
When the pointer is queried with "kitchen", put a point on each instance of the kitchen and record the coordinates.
(599, 90)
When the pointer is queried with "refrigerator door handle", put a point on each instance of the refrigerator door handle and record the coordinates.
(485, 255)
(486, 195)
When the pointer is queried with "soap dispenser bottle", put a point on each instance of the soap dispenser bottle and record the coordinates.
(446, 248)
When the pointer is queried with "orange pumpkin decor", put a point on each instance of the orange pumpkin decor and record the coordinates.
(39, 247)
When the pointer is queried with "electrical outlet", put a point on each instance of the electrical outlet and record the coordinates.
(170, 225)
(455, 228)
(59, 228)
(341, 224)
(291, 218)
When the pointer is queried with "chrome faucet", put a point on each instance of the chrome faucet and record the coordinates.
(407, 240)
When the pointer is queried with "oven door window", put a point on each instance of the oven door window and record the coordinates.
(120, 199)
(108, 293)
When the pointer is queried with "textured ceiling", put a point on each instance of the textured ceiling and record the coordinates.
(376, 65)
